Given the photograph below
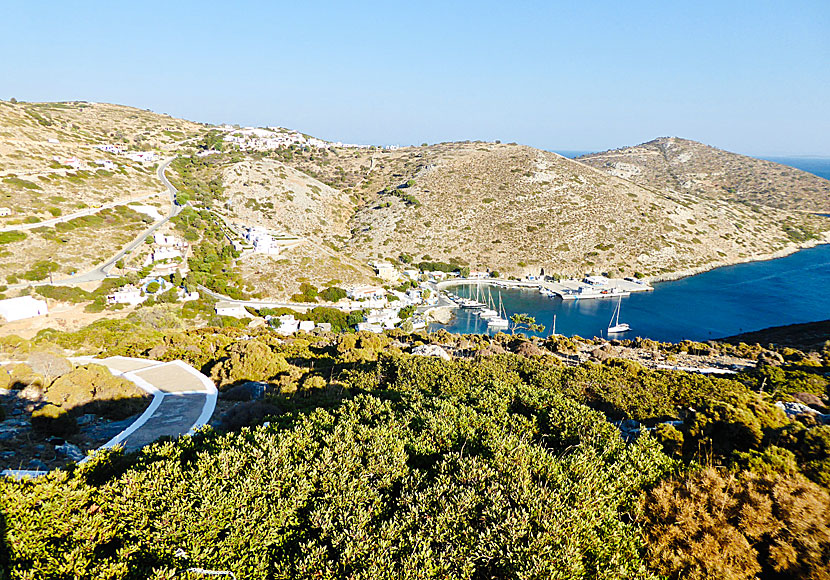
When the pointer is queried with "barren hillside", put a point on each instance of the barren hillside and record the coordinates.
(517, 209)
(683, 166)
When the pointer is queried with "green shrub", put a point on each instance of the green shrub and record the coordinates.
(12, 236)
(53, 420)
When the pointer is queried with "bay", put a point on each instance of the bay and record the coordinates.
(715, 304)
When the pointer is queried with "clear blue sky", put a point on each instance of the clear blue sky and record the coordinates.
(752, 77)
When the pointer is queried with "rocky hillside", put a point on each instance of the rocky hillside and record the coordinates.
(661, 209)
(670, 164)
(50, 168)
(517, 209)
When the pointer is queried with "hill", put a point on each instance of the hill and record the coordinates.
(678, 165)
(516, 209)
(662, 209)
(50, 168)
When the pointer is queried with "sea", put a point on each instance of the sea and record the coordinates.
(715, 304)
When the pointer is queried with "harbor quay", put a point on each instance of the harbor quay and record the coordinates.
(589, 288)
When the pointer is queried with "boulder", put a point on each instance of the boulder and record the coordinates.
(431, 350)
(247, 391)
(795, 409)
(70, 451)
(811, 400)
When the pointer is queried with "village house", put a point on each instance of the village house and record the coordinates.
(224, 308)
(109, 148)
(5, 212)
(104, 163)
(22, 307)
(128, 294)
(386, 271)
(165, 254)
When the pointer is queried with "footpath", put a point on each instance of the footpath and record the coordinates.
(183, 401)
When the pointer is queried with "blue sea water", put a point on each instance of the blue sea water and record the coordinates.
(816, 165)
(715, 304)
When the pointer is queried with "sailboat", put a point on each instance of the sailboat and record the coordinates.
(488, 311)
(614, 325)
(499, 321)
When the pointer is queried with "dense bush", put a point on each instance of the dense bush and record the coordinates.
(429, 487)
(734, 527)
(93, 389)
(54, 420)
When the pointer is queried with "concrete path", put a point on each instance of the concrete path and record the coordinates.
(183, 399)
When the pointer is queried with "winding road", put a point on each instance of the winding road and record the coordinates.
(103, 270)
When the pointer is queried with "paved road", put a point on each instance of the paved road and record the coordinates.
(77, 214)
(299, 306)
(183, 399)
(103, 270)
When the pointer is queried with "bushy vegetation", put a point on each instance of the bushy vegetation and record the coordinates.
(212, 263)
(503, 463)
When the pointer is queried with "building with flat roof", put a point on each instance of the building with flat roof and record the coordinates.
(22, 307)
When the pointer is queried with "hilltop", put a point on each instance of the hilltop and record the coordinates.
(676, 165)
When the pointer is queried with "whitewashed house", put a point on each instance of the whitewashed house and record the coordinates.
(22, 307)
(224, 308)
(5, 212)
(128, 294)
(165, 254)
(306, 325)
(386, 271)
(288, 325)
(105, 164)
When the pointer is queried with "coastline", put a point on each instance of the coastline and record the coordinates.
(782, 253)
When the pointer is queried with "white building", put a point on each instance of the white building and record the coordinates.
(479, 274)
(166, 254)
(108, 165)
(109, 148)
(385, 318)
(4, 212)
(306, 325)
(225, 308)
(165, 240)
(288, 325)
(366, 293)
(370, 327)
(22, 307)
(386, 271)
(262, 241)
(142, 156)
(128, 294)
(596, 280)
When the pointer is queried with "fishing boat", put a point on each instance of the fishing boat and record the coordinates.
(615, 325)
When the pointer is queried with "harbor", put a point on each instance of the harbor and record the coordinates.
(589, 288)
(718, 303)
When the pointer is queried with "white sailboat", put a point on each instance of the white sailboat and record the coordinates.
(614, 325)
(488, 311)
(499, 321)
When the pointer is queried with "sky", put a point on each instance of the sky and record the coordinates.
(751, 77)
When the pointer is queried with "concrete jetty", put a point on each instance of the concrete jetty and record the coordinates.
(589, 288)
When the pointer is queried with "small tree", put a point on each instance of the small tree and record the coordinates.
(527, 322)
